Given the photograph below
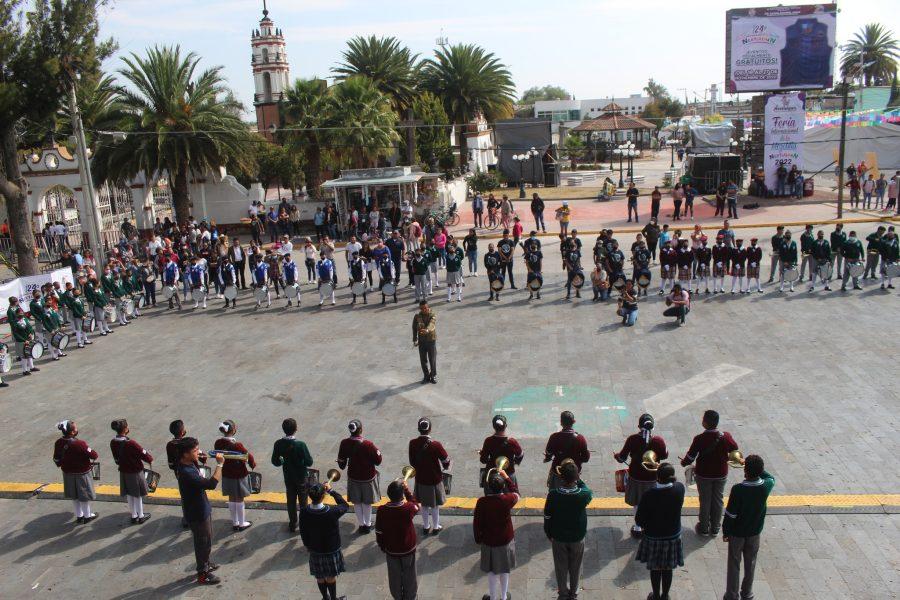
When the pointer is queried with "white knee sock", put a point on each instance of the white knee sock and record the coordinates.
(232, 510)
(358, 509)
(130, 501)
(78, 510)
(436, 517)
(139, 506)
(239, 509)
(426, 517)
(86, 509)
(493, 586)
(367, 514)
(504, 585)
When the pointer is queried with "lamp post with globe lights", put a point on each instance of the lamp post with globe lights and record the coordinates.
(671, 143)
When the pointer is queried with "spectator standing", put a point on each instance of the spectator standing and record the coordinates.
(537, 211)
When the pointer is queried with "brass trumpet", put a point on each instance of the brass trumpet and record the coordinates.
(736, 459)
(499, 465)
(649, 461)
(407, 472)
(560, 465)
(333, 475)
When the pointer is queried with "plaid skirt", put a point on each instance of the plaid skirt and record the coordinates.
(661, 555)
(667, 271)
(454, 277)
(719, 270)
(753, 272)
(737, 271)
(684, 273)
(326, 565)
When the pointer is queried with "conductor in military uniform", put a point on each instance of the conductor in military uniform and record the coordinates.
(425, 337)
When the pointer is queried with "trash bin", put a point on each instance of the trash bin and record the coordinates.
(809, 187)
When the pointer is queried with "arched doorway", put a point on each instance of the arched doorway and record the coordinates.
(60, 207)
(115, 204)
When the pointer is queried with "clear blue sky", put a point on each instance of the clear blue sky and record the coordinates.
(593, 48)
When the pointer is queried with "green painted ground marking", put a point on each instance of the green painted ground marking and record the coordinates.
(534, 411)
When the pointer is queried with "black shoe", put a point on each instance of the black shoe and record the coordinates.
(26, 373)
(433, 379)
(79, 521)
(3, 384)
(207, 579)
(143, 519)
(436, 530)
(856, 287)
(90, 518)
(426, 380)
(212, 567)
(292, 527)
(426, 531)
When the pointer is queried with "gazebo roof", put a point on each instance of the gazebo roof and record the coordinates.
(611, 121)
(612, 107)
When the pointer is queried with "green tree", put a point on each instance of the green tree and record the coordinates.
(100, 111)
(468, 80)
(305, 111)
(574, 147)
(42, 54)
(547, 92)
(362, 122)
(390, 66)
(894, 99)
(655, 90)
(879, 51)
(433, 139)
(176, 122)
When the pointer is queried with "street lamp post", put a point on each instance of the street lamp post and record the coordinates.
(671, 143)
(620, 152)
(532, 154)
(611, 150)
(631, 154)
(521, 158)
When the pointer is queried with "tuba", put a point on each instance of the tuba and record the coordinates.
(649, 461)
(736, 459)
(564, 462)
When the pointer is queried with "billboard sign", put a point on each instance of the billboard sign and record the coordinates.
(785, 124)
(780, 48)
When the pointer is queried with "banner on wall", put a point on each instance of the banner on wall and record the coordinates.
(785, 123)
(22, 287)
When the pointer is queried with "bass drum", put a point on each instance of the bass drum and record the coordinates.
(892, 269)
(643, 278)
(389, 289)
(231, 292)
(497, 285)
(261, 293)
(857, 269)
(168, 291)
(5, 359)
(618, 281)
(89, 324)
(358, 288)
(326, 288)
(791, 274)
(127, 307)
(292, 291)
(578, 280)
(535, 284)
(198, 294)
(34, 349)
(824, 270)
(60, 340)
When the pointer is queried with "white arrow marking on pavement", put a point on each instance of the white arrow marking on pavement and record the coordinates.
(616, 407)
(690, 390)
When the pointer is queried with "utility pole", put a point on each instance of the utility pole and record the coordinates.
(840, 211)
(87, 182)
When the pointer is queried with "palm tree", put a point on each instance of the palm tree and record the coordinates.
(304, 110)
(879, 52)
(176, 122)
(468, 81)
(100, 111)
(362, 121)
(390, 66)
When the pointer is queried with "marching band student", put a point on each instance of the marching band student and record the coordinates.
(493, 531)
(289, 269)
(395, 534)
(79, 310)
(564, 444)
(777, 241)
(685, 262)
(197, 273)
(74, 457)
(357, 275)
(118, 294)
(492, 264)
(821, 256)
(173, 456)
(533, 258)
(420, 273)
(22, 331)
(294, 458)
(192, 487)
(130, 458)
(98, 300)
(274, 273)
(710, 450)
(837, 238)
(134, 288)
(668, 264)
(703, 256)
(321, 536)
(754, 258)
(106, 280)
(806, 243)
(890, 253)
(235, 483)
(738, 259)
(572, 262)
(501, 444)
(852, 251)
(228, 278)
(639, 478)
(787, 256)
(171, 275)
(261, 279)
(429, 458)
(41, 324)
(360, 457)
(720, 256)
(565, 524)
(454, 271)
(147, 281)
(325, 269)
(387, 275)
(431, 253)
(659, 515)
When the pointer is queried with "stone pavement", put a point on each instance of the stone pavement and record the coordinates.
(804, 557)
(804, 380)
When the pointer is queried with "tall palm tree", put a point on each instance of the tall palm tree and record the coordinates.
(468, 80)
(362, 121)
(177, 123)
(390, 65)
(100, 110)
(879, 51)
(304, 110)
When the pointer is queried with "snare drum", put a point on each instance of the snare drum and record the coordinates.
(5, 359)
(389, 289)
(358, 288)
(168, 291)
(856, 268)
(199, 293)
(326, 288)
(110, 313)
(618, 280)
(33, 349)
(824, 270)
(255, 481)
(139, 300)
(152, 479)
(643, 278)
(60, 340)
(88, 324)
(151, 279)
(497, 285)
(261, 293)
(535, 284)
(127, 307)
(292, 291)
(230, 292)
(892, 269)
(791, 274)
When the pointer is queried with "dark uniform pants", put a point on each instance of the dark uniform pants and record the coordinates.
(428, 355)
(202, 531)
(402, 579)
(296, 495)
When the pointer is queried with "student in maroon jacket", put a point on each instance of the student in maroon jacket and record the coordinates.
(430, 460)
(396, 536)
(710, 449)
(500, 444)
(639, 478)
(493, 529)
(565, 444)
(235, 480)
(130, 457)
(360, 457)
(74, 457)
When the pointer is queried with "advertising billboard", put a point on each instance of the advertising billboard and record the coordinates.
(785, 125)
(780, 48)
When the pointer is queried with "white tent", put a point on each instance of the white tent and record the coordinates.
(878, 145)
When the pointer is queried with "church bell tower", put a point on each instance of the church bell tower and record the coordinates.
(271, 72)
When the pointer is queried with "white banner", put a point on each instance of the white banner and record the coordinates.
(22, 287)
(785, 123)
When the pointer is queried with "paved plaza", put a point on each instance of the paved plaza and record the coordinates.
(806, 380)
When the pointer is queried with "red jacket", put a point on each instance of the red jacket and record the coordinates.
(129, 455)
(430, 462)
(567, 444)
(492, 524)
(73, 455)
(394, 529)
(499, 445)
(711, 457)
(363, 457)
(634, 449)
(235, 469)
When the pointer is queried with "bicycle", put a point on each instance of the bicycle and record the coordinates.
(449, 218)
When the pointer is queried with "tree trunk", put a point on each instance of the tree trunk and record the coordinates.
(181, 196)
(12, 187)
(311, 169)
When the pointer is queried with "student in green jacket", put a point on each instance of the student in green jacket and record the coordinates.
(890, 253)
(788, 257)
(98, 301)
(119, 292)
(852, 251)
(565, 523)
(79, 309)
(745, 516)
(872, 246)
(22, 332)
(294, 458)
